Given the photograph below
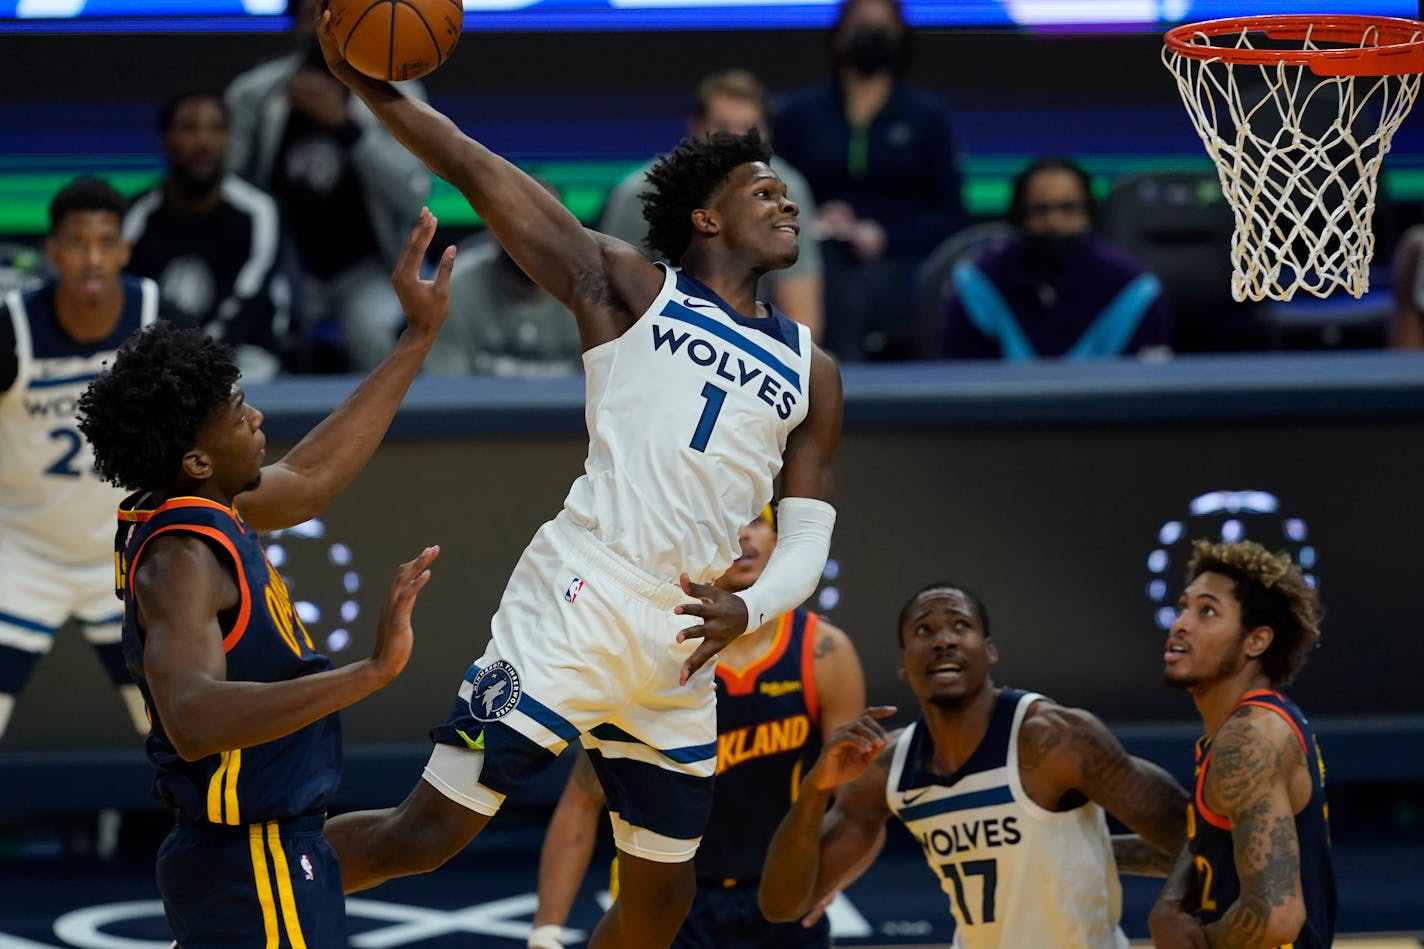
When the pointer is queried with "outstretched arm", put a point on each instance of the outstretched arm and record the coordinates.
(568, 848)
(813, 851)
(317, 468)
(181, 588)
(606, 283)
(1246, 782)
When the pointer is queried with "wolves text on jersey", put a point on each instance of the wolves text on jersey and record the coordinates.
(729, 366)
(59, 405)
(970, 835)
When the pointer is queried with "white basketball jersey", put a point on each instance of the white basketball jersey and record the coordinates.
(1015, 873)
(51, 500)
(688, 414)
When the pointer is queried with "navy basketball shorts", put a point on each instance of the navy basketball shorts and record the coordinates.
(584, 647)
(729, 916)
(253, 886)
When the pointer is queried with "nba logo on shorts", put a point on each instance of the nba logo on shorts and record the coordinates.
(575, 586)
(495, 692)
(307, 867)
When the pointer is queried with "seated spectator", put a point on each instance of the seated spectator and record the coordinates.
(348, 191)
(502, 323)
(880, 157)
(735, 101)
(210, 239)
(1054, 289)
(1407, 331)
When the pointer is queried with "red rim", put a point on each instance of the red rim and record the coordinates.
(1398, 49)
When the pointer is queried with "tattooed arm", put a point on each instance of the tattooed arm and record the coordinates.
(1062, 750)
(1136, 856)
(1252, 757)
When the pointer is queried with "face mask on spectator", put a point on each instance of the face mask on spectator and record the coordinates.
(1048, 254)
(870, 50)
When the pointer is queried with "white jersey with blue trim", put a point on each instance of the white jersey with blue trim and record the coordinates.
(52, 502)
(1016, 874)
(688, 413)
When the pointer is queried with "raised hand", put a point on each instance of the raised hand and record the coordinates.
(426, 302)
(851, 748)
(394, 636)
(326, 35)
(724, 618)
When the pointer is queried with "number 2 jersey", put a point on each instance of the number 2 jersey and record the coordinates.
(51, 501)
(1016, 874)
(1213, 855)
(688, 414)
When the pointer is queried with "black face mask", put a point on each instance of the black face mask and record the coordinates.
(1047, 254)
(870, 50)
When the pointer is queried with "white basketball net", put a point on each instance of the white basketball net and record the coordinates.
(1299, 158)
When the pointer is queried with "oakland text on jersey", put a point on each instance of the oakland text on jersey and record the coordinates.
(751, 368)
(758, 741)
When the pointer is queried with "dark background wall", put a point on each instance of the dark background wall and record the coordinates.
(1008, 69)
(1054, 528)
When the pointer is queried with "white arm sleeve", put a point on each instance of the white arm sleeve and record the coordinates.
(791, 574)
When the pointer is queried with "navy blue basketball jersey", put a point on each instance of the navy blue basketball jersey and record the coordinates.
(264, 641)
(1209, 836)
(768, 733)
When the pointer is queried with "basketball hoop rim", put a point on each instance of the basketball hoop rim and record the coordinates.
(1399, 48)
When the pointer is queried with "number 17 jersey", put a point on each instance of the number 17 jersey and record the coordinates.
(688, 414)
(1016, 874)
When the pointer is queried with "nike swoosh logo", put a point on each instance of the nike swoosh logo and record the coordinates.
(698, 305)
(908, 798)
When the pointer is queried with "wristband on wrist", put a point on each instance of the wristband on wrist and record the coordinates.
(546, 937)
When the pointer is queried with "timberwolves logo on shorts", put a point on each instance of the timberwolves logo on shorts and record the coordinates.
(495, 692)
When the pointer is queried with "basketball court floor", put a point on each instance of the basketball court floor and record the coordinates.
(54, 893)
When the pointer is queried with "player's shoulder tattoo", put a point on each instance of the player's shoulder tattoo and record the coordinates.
(1245, 758)
(1039, 735)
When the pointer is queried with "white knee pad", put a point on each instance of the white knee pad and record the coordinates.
(455, 773)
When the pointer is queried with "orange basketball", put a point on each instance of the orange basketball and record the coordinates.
(396, 39)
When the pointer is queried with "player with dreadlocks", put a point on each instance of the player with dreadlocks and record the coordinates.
(699, 397)
(241, 705)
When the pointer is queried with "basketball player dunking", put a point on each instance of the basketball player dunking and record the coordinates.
(699, 397)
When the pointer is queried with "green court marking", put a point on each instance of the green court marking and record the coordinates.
(28, 181)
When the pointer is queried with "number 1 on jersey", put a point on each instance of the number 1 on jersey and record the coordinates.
(715, 397)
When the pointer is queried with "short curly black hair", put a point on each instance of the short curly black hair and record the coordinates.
(974, 600)
(682, 180)
(143, 412)
(84, 194)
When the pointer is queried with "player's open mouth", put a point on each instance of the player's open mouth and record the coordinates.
(1176, 649)
(792, 229)
(948, 668)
